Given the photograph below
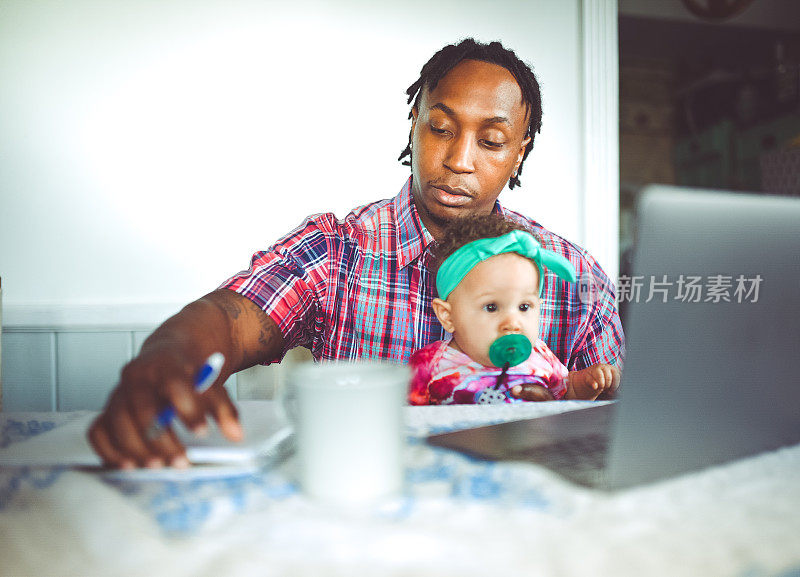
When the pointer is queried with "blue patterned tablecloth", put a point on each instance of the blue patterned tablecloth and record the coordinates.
(457, 516)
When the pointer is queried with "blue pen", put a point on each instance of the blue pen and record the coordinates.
(205, 377)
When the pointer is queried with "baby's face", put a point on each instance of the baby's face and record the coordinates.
(499, 296)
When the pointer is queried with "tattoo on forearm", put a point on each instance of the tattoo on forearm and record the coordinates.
(269, 334)
(254, 334)
(232, 308)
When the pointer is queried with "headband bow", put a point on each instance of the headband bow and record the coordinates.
(456, 266)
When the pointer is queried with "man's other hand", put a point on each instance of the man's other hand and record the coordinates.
(592, 382)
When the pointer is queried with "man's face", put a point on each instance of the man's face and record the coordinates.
(468, 137)
(500, 296)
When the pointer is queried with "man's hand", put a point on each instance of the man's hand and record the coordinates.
(157, 378)
(592, 382)
(163, 374)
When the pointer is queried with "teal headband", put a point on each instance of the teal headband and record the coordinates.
(456, 266)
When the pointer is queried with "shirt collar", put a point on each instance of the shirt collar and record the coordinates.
(412, 236)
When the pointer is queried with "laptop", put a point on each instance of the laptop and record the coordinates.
(712, 340)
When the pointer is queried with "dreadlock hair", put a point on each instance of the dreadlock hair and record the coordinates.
(466, 229)
(494, 53)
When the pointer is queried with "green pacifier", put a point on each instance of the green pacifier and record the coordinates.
(511, 349)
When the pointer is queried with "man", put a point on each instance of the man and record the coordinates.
(360, 288)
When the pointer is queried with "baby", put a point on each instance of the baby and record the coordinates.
(489, 281)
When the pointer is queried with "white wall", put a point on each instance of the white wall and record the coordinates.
(148, 148)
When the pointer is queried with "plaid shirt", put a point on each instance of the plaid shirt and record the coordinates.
(361, 288)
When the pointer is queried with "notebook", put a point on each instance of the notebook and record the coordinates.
(267, 438)
(712, 337)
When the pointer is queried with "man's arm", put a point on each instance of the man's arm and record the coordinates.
(163, 373)
(603, 341)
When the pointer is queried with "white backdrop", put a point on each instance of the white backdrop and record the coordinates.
(147, 149)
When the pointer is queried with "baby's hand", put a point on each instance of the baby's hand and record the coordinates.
(588, 384)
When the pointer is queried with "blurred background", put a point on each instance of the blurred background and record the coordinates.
(709, 96)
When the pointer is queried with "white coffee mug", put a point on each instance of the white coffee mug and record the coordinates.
(348, 421)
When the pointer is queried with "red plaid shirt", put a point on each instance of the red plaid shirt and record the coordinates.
(361, 288)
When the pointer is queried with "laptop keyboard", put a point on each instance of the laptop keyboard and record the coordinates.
(580, 459)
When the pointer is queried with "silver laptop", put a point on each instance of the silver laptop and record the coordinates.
(713, 334)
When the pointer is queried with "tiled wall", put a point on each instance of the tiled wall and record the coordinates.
(66, 370)
(70, 369)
